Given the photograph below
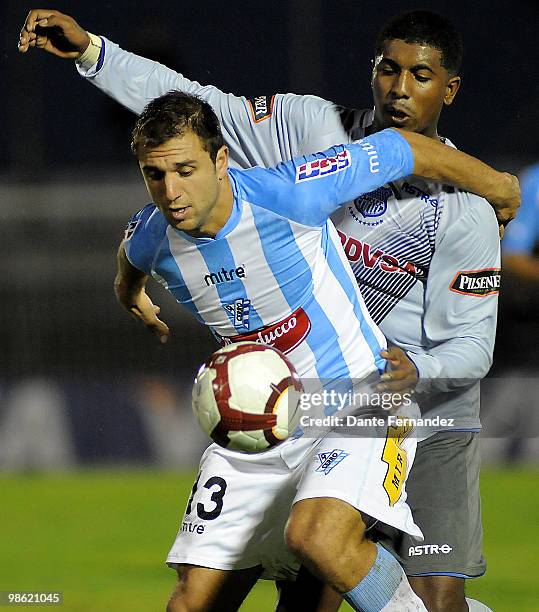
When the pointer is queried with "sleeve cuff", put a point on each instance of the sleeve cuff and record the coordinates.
(408, 154)
(92, 58)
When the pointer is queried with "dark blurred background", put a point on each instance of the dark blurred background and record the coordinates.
(69, 355)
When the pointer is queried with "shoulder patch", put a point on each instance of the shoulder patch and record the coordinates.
(130, 229)
(478, 283)
(261, 107)
(318, 168)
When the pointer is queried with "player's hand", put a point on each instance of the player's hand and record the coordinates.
(400, 374)
(506, 200)
(146, 311)
(53, 32)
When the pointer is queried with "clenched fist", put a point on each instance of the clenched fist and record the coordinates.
(53, 32)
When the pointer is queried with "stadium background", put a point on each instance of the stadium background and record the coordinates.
(97, 443)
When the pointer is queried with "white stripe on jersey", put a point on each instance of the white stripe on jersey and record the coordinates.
(264, 282)
(346, 265)
(336, 304)
(192, 275)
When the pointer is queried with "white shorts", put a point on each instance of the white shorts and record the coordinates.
(236, 515)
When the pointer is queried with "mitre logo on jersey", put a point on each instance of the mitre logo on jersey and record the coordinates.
(319, 168)
(239, 311)
(330, 460)
(374, 203)
(261, 107)
(285, 335)
(224, 276)
(371, 257)
(478, 283)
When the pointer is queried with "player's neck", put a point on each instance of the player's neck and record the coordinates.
(220, 213)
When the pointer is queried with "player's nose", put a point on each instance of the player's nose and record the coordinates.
(172, 186)
(401, 85)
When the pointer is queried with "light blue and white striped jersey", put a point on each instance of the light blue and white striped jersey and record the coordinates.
(276, 272)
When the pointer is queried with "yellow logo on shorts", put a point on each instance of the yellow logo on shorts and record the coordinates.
(395, 457)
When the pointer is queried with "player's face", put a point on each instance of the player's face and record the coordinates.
(188, 188)
(410, 87)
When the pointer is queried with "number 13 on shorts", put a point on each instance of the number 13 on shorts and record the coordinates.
(396, 458)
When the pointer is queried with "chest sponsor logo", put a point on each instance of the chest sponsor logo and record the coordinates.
(373, 204)
(319, 168)
(478, 283)
(224, 276)
(239, 311)
(330, 460)
(429, 549)
(285, 335)
(261, 107)
(371, 257)
(130, 229)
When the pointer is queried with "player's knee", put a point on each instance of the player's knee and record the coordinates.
(315, 532)
(182, 600)
(441, 595)
(445, 602)
(179, 603)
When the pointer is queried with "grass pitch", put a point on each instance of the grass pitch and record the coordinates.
(101, 538)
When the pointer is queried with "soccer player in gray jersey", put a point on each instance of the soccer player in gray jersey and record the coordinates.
(426, 257)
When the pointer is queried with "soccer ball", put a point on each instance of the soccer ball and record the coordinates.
(246, 396)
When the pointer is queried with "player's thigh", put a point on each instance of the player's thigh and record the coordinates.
(443, 493)
(236, 514)
(204, 589)
(323, 527)
(367, 472)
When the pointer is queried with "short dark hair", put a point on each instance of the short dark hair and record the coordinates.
(427, 28)
(171, 115)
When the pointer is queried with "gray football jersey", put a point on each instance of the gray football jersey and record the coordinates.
(426, 256)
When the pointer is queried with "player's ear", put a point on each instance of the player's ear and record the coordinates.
(221, 162)
(451, 89)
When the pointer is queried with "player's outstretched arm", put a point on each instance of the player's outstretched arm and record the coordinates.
(443, 164)
(53, 32)
(129, 286)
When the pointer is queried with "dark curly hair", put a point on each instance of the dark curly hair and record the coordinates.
(171, 115)
(427, 28)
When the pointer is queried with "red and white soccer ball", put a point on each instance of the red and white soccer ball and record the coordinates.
(246, 396)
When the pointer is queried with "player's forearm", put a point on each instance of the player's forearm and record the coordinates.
(130, 79)
(129, 282)
(127, 291)
(443, 164)
(453, 364)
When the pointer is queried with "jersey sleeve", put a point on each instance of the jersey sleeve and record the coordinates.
(461, 297)
(142, 236)
(264, 130)
(523, 232)
(309, 189)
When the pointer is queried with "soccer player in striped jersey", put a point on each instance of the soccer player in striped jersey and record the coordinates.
(252, 249)
(441, 320)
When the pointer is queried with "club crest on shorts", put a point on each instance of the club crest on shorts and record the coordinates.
(330, 460)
